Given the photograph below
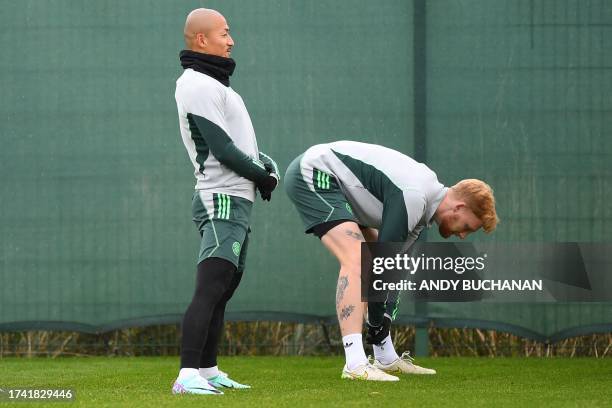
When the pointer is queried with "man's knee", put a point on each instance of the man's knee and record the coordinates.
(215, 276)
(344, 242)
(352, 264)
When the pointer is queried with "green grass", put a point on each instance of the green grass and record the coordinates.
(315, 381)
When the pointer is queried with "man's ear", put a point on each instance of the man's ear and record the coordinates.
(458, 206)
(201, 39)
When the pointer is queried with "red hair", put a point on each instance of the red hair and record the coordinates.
(478, 196)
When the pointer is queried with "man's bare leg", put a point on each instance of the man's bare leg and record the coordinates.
(344, 241)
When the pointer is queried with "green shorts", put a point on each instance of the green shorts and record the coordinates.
(316, 195)
(223, 223)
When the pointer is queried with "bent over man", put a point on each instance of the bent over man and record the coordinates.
(220, 140)
(348, 192)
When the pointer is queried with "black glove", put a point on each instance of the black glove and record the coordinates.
(267, 186)
(269, 168)
(376, 334)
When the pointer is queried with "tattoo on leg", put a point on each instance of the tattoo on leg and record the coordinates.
(356, 235)
(346, 312)
(342, 285)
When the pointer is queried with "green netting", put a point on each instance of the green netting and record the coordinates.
(519, 95)
(95, 229)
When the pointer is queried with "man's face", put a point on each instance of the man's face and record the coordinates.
(218, 40)
(460, 221)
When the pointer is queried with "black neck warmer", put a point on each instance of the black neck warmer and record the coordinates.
(220, 68)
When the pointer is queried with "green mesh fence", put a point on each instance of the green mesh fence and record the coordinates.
(95, 228)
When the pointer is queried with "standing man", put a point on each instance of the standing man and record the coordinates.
(220, 140)
(349, 192)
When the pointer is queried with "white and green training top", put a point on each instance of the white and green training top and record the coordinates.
(219, 136)
(386, 189)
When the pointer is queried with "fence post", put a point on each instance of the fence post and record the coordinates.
(419, 47)
(421, 342)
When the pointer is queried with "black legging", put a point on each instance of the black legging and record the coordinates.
(216, 282)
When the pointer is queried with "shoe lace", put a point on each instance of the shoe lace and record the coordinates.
(372, 368)
(407, 357)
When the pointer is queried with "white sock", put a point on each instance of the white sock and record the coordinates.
(209, 372)
(384, 352)
(353, 349)
(187, 372)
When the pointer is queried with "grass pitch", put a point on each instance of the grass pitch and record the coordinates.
(315, 381)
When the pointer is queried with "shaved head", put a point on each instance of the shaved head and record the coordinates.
(206, 31)
(199, 21)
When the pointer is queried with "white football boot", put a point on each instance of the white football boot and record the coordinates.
(403, 365)
(367, 372)
(194, 385)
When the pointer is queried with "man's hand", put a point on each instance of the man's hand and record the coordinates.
(267, 186)
(269, 168)
(376, 334)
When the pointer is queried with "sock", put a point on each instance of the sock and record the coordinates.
(187, 372)
(353, 349)
(209, 372)
(385, 352)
